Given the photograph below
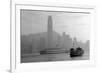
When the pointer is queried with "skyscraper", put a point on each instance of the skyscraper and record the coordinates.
(50, 32)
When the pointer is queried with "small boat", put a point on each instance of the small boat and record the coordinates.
(76, 52)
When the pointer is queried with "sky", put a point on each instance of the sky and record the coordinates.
(74, 24)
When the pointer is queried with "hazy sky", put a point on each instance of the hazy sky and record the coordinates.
(74, 24)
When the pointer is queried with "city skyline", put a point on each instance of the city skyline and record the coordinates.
(53, 39)
(75, 25)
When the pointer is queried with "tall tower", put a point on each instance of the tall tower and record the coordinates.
(50, 32)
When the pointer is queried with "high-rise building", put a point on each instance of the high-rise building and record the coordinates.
(67, 41)
(50, 32)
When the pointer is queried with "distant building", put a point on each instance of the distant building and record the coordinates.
(35, 44)
(42, 44)
(67, 41)
(50, 32)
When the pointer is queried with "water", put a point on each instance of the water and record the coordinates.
(53, 57)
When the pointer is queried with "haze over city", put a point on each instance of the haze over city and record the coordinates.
(54, 36)
(74, 24)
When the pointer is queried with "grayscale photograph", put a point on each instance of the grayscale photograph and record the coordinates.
(47, 36)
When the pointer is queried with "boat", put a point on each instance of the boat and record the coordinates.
(76, 52)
